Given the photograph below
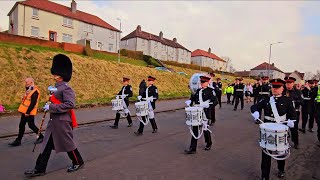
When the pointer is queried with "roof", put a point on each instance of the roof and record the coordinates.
(265, 66)
(148, 36)
(200, 52)
(297, 72)
(242, 73)
(59, 9)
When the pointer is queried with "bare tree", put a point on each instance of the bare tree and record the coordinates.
(229, 66)
(308, 75)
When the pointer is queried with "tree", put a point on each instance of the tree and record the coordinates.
(308, 75)
(229, 66)
(316, 75)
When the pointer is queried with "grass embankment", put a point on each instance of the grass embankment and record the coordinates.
(95, 79)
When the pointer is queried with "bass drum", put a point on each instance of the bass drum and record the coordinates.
(194, 82)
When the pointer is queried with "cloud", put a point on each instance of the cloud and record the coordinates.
(241, 30)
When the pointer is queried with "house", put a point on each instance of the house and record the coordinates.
(296, 74)
(50, 21)
(208, 59)
(263, 70)
(156, 46)
(242, 73)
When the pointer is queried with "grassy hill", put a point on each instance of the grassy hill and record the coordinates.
(95, 79)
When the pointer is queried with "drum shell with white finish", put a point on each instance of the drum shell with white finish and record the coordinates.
(142, 108)
(117, 104)
(274, 137)
(194, 116)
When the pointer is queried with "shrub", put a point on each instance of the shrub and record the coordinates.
(132, 54)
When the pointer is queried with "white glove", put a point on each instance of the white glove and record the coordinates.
(52, 89)
(123, 96)
(46, 107)
(139, 97)
(290, 123)
(151, 98)
(255, 115)
(188, 102)
(204, 105)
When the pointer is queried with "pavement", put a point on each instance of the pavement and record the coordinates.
(117, 154)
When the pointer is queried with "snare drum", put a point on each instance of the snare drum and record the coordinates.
(194, 116)
(274, 137)
(117, 104)
(141, 108)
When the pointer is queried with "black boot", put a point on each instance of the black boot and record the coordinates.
(75, 167)
(40, 139)
(190, 151)
(138, 133)
(155, 131)
(114, 127)
(207, 147)
(129, 125)
(281, 174)
(33, 173)
(16, 142)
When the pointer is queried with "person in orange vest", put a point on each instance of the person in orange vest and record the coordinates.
(59, 131)
(28, 109)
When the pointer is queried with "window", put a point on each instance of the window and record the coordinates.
(88, 27)
(67, 22)
(127, 42)
(34, 31)
(111, 34)
(67, 38)
(110, 47)
(35, 12)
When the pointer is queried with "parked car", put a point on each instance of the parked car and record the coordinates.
(162, 69)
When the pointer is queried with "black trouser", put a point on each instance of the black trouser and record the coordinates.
(307, 114)
(228, 98)
(207, 138)
(213, 116)
(238, 97)
(294, 130)
(42, 161)
(266, 165)
(22, 125)
(152, 121)
(233, 98)
(318, 120)
(219, 94)
(116, 122)
(255, 99)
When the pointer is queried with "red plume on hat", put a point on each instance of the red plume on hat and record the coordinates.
(62, 66)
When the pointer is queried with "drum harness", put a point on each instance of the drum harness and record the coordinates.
(125, 111)
(150, 109)
(204, 122)
(278, 119)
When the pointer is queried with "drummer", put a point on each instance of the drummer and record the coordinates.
(202, 97)
(284, 107)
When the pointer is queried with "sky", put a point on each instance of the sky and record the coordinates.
(240, 30)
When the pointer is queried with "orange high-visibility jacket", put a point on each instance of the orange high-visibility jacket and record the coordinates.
(26, 101)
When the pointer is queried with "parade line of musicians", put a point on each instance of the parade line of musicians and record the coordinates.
(59, 132)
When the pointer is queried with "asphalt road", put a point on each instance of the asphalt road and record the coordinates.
(120, 155)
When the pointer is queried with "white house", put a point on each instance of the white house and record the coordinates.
(296, 74)
(263, 70)
(208, 59)
(47, 20)
(156, 46)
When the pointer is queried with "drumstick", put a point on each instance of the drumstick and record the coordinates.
(260, 121)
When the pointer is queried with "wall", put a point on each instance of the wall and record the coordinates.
(131, 44)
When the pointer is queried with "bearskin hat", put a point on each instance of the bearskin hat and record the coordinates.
(62, 66)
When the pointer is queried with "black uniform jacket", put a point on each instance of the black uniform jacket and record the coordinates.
(295, 96)
(240, 88)
(207, 94)
(128, 91)
(152, 91)
(284, 106)
(264, 88)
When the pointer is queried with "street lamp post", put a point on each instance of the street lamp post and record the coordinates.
(119, 41)
(270, 57)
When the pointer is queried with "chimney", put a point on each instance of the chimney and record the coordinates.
(138, 28)
(161, 35)
(209, 50)
(73, 6)
(175, 40)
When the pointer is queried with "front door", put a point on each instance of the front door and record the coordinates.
(52, 36)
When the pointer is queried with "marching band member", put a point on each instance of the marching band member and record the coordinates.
(283, 107)
(215, 88)
(59, 132)
(152, 93)
(126, 93)
(295, 95)
(238, 93)
(219, 91)
(202, 97)
(317, 108)
(307, 109)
